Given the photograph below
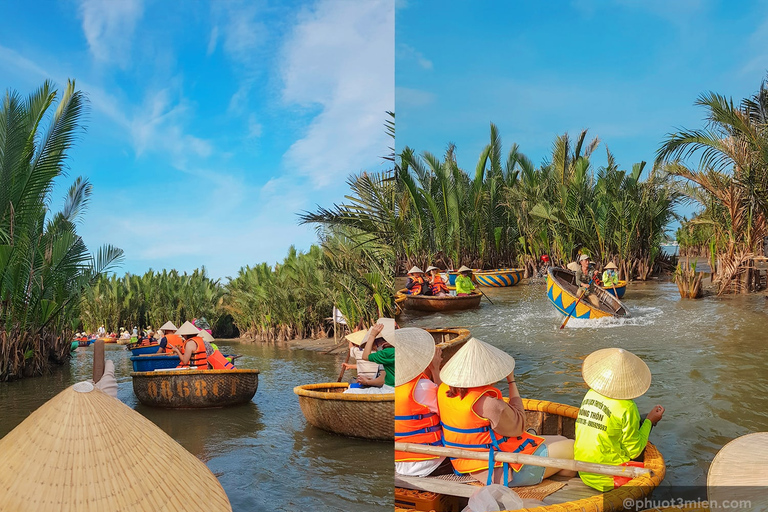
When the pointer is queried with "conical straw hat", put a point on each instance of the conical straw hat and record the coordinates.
(86, 451)
(207, 336)
(572, 266)
(388, 332)
(616, 373)
(464, 268)
(414, 350)
(430, 268)
(738, 473)
(187, 328)
(168, 326)
(611, 265)
(357, 337)
(475, 364)
(415, 270)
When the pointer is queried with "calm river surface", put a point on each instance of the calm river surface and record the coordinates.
(264, 453)
(708, 360)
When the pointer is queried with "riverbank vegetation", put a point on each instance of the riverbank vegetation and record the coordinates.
(44, 264)
(729, 183)
(510, 212)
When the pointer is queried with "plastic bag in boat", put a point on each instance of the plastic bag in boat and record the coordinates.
(493, 498)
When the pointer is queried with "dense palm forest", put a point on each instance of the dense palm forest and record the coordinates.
(509, 211)
(44, 265)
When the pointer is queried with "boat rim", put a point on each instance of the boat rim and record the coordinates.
(602, 291)
(308, 390)
(235, 371)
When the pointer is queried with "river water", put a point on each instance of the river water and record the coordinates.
(264, 453)
(707, 358)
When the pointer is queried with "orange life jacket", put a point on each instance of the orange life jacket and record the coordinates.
(438, 285)
(174, 340)
(219, 362)
(463, 428)
(198, 358)
(414, 422)
(418, 285)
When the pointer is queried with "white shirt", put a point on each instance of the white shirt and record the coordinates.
(424, 393)
(366, 368)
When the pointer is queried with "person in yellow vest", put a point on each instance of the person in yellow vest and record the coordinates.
(609, 429)
(464, 284)
(610, 276)
(416, 284)
(417, 419)
(474, 417)
(194, 353)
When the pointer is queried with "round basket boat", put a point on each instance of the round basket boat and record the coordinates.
(561, 292)
(182, 389)
(618, 290)
(500, 277)
(141, 350)
(449, 340)
(367, 416)
(435, 304)
(550, 418)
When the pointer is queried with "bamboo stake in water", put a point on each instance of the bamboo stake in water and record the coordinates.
(519, 458)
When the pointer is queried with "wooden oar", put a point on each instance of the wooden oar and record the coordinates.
(343, 368)
(474, 280)
(573, 309)
(519, 458)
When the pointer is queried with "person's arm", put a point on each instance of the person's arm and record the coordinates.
(634, 439)
(163, 344)
(434, 366)
(189, 349)
(409, 283)
(507, 419)
(377, 382)
(370, 338)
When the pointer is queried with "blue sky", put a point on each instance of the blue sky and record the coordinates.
(211, 124)
(629, 71)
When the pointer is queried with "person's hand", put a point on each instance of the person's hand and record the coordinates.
(363, 380)
(655, 415)
(376, 329)
(346, 366)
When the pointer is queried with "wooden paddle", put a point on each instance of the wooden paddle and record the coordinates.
(519, 458)
(474, 280)
(573, 309)
(343, 368)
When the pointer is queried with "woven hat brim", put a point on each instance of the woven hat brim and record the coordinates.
(611, 266)
(415, 270)
(477, 364)
(357, 337)
(464, 268)
(616, 373)
(414, 350)
(187, 328)
(168, 326)
(738, 472)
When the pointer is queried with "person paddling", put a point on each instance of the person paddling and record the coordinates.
(609, 428)
(417, 419)
(366, 370)
(464, 284)
(610, 277)
(384, 328)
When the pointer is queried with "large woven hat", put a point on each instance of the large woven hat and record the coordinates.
(187, 328)
(168, 326)
(414, 350)
(464, 268)
(415, 270)
(476, 364)
(430, 268)
(388, 332)
(207, 336)
(611, 265)
(357, 337)
(738, 474)
(573, 266)
(86, 451)
(616, 373)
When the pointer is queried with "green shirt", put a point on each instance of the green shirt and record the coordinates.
(608, 431)
(386, 358)
(464, 284)
(610, 278)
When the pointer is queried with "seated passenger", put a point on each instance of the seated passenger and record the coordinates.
(366, 370)
(609, 429)
(382, 332)
(610, 276)
(436, 283)
(416, 284)
(168, 338)
(464, 284)
(474, 417)
(194, 353)
(417, 419)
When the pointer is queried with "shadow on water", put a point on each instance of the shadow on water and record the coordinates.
(264, 453)
(707, 358)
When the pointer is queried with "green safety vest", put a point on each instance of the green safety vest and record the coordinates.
(610, 278)
(464, 284)
(608, 431)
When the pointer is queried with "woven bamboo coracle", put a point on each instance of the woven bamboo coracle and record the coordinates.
(181, 389)
(85, 451)
(326, 406)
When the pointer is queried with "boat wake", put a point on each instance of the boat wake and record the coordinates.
(640, 315)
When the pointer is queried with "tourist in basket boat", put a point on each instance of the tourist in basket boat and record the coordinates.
(383, 330)
(366, 370)
(416, 283)
(436, 283)
(609, 429)
(583, 280)
(417, 419)
(610, 276)
(168, 338)
(464, 284)
(474, 417)
(194, 354)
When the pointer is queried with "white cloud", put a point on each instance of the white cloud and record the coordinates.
(340, 56)
(108, 28)
(409, 53)
(213, 40)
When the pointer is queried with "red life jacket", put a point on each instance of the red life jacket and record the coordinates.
(198, 358)
(414, 422)
(418, 285)
(438, 285)
(463, 428)
(219, 362)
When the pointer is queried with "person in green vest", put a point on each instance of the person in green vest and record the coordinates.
(610, 276)
(385, 355)
(464, 284)
(609, 428)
